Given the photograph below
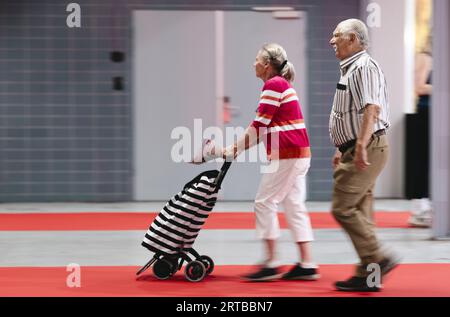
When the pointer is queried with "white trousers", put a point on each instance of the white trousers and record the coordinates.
(285, 184)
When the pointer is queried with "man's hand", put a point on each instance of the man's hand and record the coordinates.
(336, 158)
(360, 159)
(371, 113)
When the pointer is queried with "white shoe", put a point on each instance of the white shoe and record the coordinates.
(421, 220)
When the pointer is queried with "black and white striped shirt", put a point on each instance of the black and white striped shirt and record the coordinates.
(362, 83)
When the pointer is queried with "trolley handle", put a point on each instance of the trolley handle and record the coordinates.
(223, 171)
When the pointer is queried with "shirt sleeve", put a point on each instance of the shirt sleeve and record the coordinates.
(366, 87)
(269, 103)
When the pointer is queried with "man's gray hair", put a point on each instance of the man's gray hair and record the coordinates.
(357, 27)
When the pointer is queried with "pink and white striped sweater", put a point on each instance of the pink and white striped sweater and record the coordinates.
(279, 112)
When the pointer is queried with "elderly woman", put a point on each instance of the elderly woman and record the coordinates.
(279, 121)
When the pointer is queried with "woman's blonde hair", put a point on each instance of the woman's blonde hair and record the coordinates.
(277, 57)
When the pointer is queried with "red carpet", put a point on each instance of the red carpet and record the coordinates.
(409, 280)
(141, 221)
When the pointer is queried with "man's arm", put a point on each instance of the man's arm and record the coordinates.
(371, 113)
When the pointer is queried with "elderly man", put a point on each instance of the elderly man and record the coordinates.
(358, 123)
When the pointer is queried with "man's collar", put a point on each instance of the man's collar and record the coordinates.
(348, 61)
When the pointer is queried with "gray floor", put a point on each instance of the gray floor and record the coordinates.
(238, 206)
(104, 248)
(111, 248)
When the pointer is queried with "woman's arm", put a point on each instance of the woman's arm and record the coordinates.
(269, 103)
(249, 139)
(422, 72)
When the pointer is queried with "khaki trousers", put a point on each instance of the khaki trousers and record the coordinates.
(352, 204)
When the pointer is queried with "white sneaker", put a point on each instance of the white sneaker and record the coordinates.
(421, 220)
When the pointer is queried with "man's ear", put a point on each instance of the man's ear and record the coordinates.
(353, 37)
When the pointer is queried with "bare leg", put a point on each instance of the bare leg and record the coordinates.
(270, 247)
(305, 252)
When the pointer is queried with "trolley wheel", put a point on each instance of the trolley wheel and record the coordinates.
(195, 271)
(174, 262)
(163, 269)
(208, 262)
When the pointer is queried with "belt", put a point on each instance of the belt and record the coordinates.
(344, 147)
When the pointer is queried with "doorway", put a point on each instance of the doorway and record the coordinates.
(186, 63)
